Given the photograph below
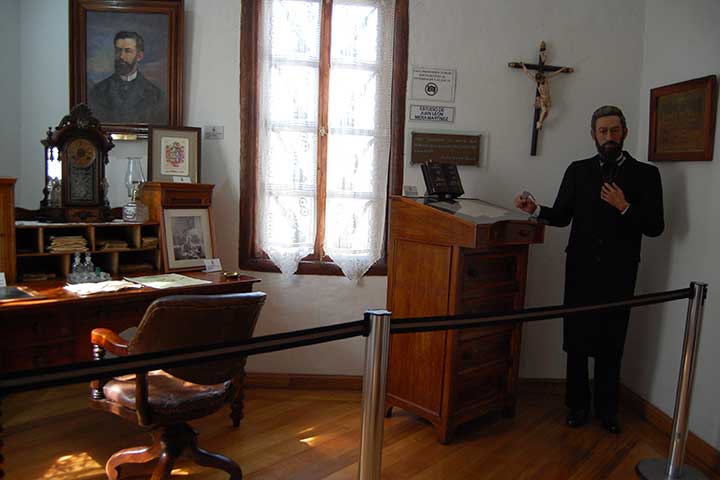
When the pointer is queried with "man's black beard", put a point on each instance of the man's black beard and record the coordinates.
(609, 151)
(124, 68)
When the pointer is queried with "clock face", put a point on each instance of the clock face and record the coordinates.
(81, 153)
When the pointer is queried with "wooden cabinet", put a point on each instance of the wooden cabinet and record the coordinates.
(160, 196)
(446, 259)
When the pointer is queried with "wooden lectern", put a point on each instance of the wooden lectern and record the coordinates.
(448, 258)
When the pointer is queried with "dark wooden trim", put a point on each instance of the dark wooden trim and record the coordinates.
(173, 9)
(304, 381)
(323, 126)
(249, 101)
(249, 257)
(399, 91)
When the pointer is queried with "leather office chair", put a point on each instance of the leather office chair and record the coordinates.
(160, 401)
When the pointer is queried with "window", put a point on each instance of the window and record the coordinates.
(319, 81)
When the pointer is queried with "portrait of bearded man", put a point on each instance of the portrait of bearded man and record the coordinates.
(127, 96)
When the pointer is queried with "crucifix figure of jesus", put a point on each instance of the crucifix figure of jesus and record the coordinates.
(543, 101)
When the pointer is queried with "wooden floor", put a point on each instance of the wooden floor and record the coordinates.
(300, 434)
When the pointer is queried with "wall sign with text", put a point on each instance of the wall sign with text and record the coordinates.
(436, 84)
(449, 148)
(432, 113)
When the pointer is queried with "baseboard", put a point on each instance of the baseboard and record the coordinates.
(698, 448)
(303, 381)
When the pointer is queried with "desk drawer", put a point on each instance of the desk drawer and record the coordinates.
(32, 329)
(39, 356)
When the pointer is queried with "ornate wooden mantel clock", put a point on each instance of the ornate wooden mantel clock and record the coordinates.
(76, 153)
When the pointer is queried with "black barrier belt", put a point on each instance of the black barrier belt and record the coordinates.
(91, 370)
(470, 320)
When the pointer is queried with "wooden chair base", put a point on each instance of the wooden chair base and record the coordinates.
(171, 443)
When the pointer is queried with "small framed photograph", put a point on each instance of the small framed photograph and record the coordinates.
(682, 120)
(189, 238)
(174, 154)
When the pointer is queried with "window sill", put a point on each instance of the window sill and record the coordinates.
(310, 267)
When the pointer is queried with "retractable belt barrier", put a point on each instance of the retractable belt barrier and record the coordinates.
(377, 325)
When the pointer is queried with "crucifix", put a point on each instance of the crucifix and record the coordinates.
(542, 89)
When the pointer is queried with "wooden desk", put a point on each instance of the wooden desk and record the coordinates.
(56, 330)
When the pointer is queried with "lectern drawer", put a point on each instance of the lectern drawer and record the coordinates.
(481, 385)
(483, 350)
(480, 269)
(515, 233)
(486, 305)
(186, 198)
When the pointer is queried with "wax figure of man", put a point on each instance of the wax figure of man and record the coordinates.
(612, 200)
(127, 96)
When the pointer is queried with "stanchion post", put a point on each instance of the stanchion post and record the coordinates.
(373, 397)
(653, 469)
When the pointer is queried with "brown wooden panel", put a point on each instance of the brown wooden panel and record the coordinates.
(517, 233)
(183, 198)
(33, 329)
(39, 356)
(486, 305)
(480, 385)
(480, 269)
(486, 349)
(420, 288)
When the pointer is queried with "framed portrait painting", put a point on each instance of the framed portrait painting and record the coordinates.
(174, 154)
(126, 62)
(189, 238)
(682, 120)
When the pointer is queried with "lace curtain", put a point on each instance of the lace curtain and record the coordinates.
(358, 131)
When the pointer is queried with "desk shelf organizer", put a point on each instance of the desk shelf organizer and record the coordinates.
(36, 261)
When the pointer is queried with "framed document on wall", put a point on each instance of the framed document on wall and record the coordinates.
(682, 120)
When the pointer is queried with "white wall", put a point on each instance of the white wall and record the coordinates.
(9, 86)
(44, 89)
(681, 41)
(601, 40)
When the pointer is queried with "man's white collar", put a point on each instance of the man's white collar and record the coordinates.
(130, 77)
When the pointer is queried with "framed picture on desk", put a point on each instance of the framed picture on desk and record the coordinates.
(189, 238)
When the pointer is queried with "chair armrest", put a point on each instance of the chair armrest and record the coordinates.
(110, 341)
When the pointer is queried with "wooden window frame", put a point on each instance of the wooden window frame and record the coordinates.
(249, 145)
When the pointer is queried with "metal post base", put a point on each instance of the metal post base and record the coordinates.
(655, 469)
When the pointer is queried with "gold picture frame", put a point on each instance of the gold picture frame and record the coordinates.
(682, 120)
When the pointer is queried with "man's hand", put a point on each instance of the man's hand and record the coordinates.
(613, 195)
(524, 203)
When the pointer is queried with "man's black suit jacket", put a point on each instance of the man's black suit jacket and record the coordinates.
(604, 246)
